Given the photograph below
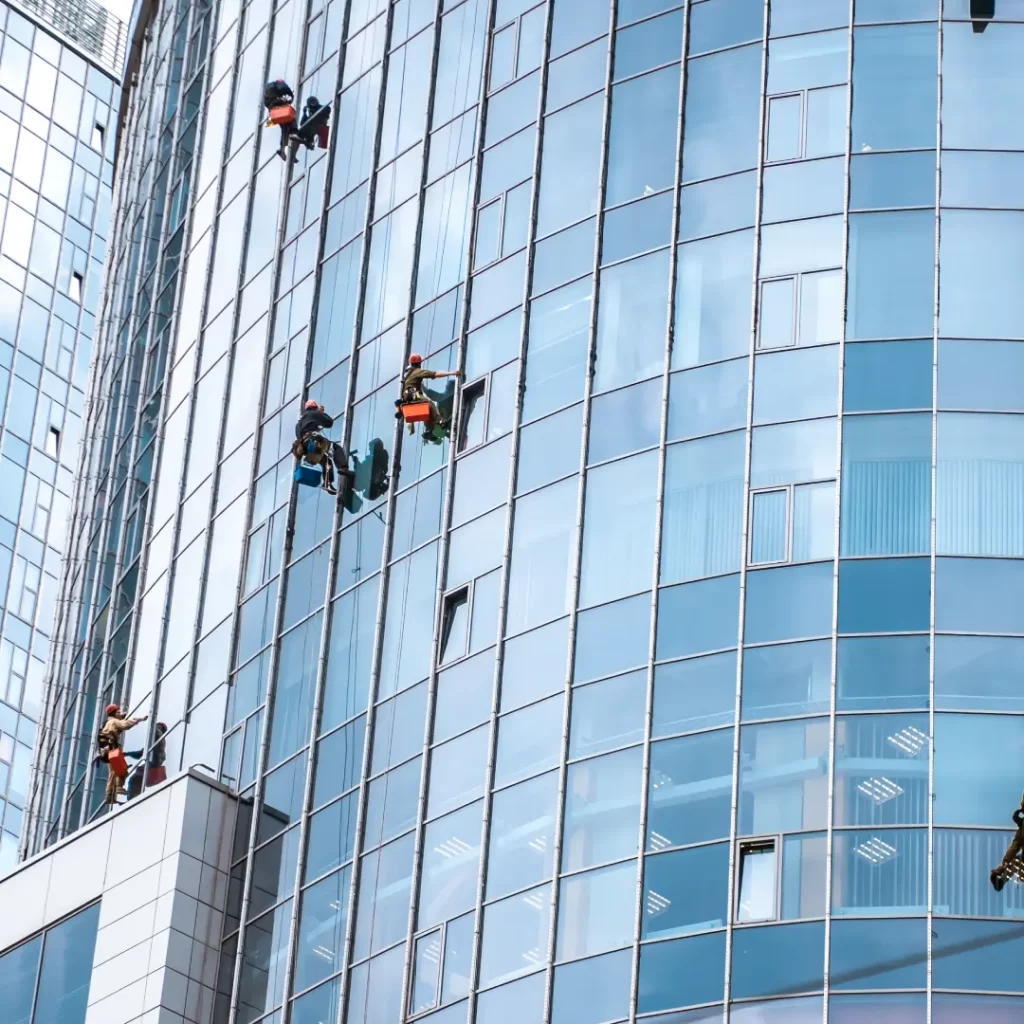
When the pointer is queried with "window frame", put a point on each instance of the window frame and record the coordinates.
(516, 24)
(450, 603)
(753, 846)
(804, 97)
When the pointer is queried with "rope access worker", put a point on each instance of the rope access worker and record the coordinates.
(1012, 864)
(278, 97)
(155, 769)
(109, 741)
(311, 445)
(414, 391)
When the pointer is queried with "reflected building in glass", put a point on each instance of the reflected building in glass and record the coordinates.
(59, 65)
(692, 657)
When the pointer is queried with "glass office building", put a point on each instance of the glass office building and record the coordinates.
(58, 67)
(691, 660)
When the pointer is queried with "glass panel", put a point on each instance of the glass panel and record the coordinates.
(457, 771)
(982, 179)
(796, 385)
(978, 673)
(698, 617)
(426, 981)
(789, 603)
(695, 694)
(663, 986)
(611, 638)
(785, 114)
(66, 970)
(790, 679)
(625, 421)
(807, 61)
(529, 741)
(881, 871)
(975, 954)
(885, 180)
(884, 595)
(463, 696)
(451, 862)
(522, 841)
(382, 911)
(769, 531)
(653, 42)
(793, 453)
(803, 876)
(458, 950)
(608, 715)
(708, 399)
(978, 595)
(959, 886)
(596, 911)
(673, 905)
(690, 789)
(392, 803)
(981, 375)
(777, 959)
(721, 204)
(891, 375)
(534, 665)
(522, 1000)
(591, 991)
(810, 188)
(777, 314)
(549, 449)
(757, 883)
(323, 914)
(884, 673)
(515, 935)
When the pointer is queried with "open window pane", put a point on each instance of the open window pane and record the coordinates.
(471, 430)
(456, 626)
(758, 870)
(426, 963)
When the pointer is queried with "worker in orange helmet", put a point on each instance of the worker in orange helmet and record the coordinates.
(109, 739)
(413, 391)
(311, 445)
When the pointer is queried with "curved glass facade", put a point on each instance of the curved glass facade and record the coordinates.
(690, 661)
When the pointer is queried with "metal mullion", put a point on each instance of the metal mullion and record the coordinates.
(576, 552)
(446, 512)
(659, 525)
(930, 883)
(499, 652)
(148, 355)
(837, 535)
(754, 316)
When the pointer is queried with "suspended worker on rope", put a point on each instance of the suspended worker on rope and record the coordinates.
(419, 404)
(1011, 867)
(310, 130)
(109, 743)
(312, 448)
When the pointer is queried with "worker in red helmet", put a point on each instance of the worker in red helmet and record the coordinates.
(313, 447)
(109, 739)
(413, 391)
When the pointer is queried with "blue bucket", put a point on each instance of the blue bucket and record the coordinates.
(307, 475)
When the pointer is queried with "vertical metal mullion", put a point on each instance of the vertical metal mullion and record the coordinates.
(577, 550)
(837, 535)
(930, 883)
(449, 493)
(659, 514)
(754, 314)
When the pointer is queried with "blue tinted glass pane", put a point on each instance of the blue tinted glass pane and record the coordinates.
(884, 595)
(596, 911)
(970, 63)
(790, 16)
(637, 227)
(895, 10)
(806, 62)
(549, 449)
(690, 789)
(632, 320)
(529, 741)
(784, 776)
(533, 667)
(591, 991)
(607, 715)
(703, 513)
(653, 42)
(332, 836)
(708, 399)
(576, 75)
(625, 421)
(978, 673)
(977, 762)
(791, 679)
(563, 257)
(982, 179)
(788, 603)
(642, 135)
(793, 453)
(884, 672)
(979, 262)
(887, 483)
(810, 188)
(321, 1004)
(713, 295)
(722, 204)
(694, 694)
(981, 375)
(801, 245)
(882, 770)
(881, 871)
(865, 956)
(884, 180)
(891, 291)
(698, 617)
(778, 959)
(769, 527)
(725, 23)
(979, 595)
(576, 22)
(979, 494)
(663, 986)
(976, 954)
(673, 905)
(18, 979)
(612, 638)
(570, 165)
(631, 10)
(511, 1004)
(950, 1009)
(722, 107)
(889, 375)
(894, 87)
(796, 385)
(807, 1010)
(959, 888)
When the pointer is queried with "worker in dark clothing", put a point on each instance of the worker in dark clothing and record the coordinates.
(314, 448)
(1012, 865)
(110, 739)
(312, 129)
(155, 771)
(438, 426)
(278, 95)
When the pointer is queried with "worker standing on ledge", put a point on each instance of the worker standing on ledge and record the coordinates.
(109, 739)
(413, 391)
(311, 445)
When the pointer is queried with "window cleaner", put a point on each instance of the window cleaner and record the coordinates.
(311, 130)
(156, 772)
(109, 743)
(278, 98)
(420, 404)
(311, 450)
(1011, 867)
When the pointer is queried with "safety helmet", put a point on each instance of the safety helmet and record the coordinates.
(415, 360)
(113, 709)
(312, 404)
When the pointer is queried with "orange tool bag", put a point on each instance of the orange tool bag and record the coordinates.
(117, 762)
(281, 115)
(416, 412)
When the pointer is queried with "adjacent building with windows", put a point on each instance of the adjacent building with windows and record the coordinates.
(59, 64)
(682, 684)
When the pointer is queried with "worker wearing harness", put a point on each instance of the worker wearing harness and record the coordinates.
(311, 445)
(439, 425)
(109, 739)
(1011, 867)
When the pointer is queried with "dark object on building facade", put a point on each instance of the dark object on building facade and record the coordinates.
(313, 130)
(1011, 868)
(982, 12)
(109, 743)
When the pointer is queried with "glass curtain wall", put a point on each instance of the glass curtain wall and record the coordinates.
(695, 665)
